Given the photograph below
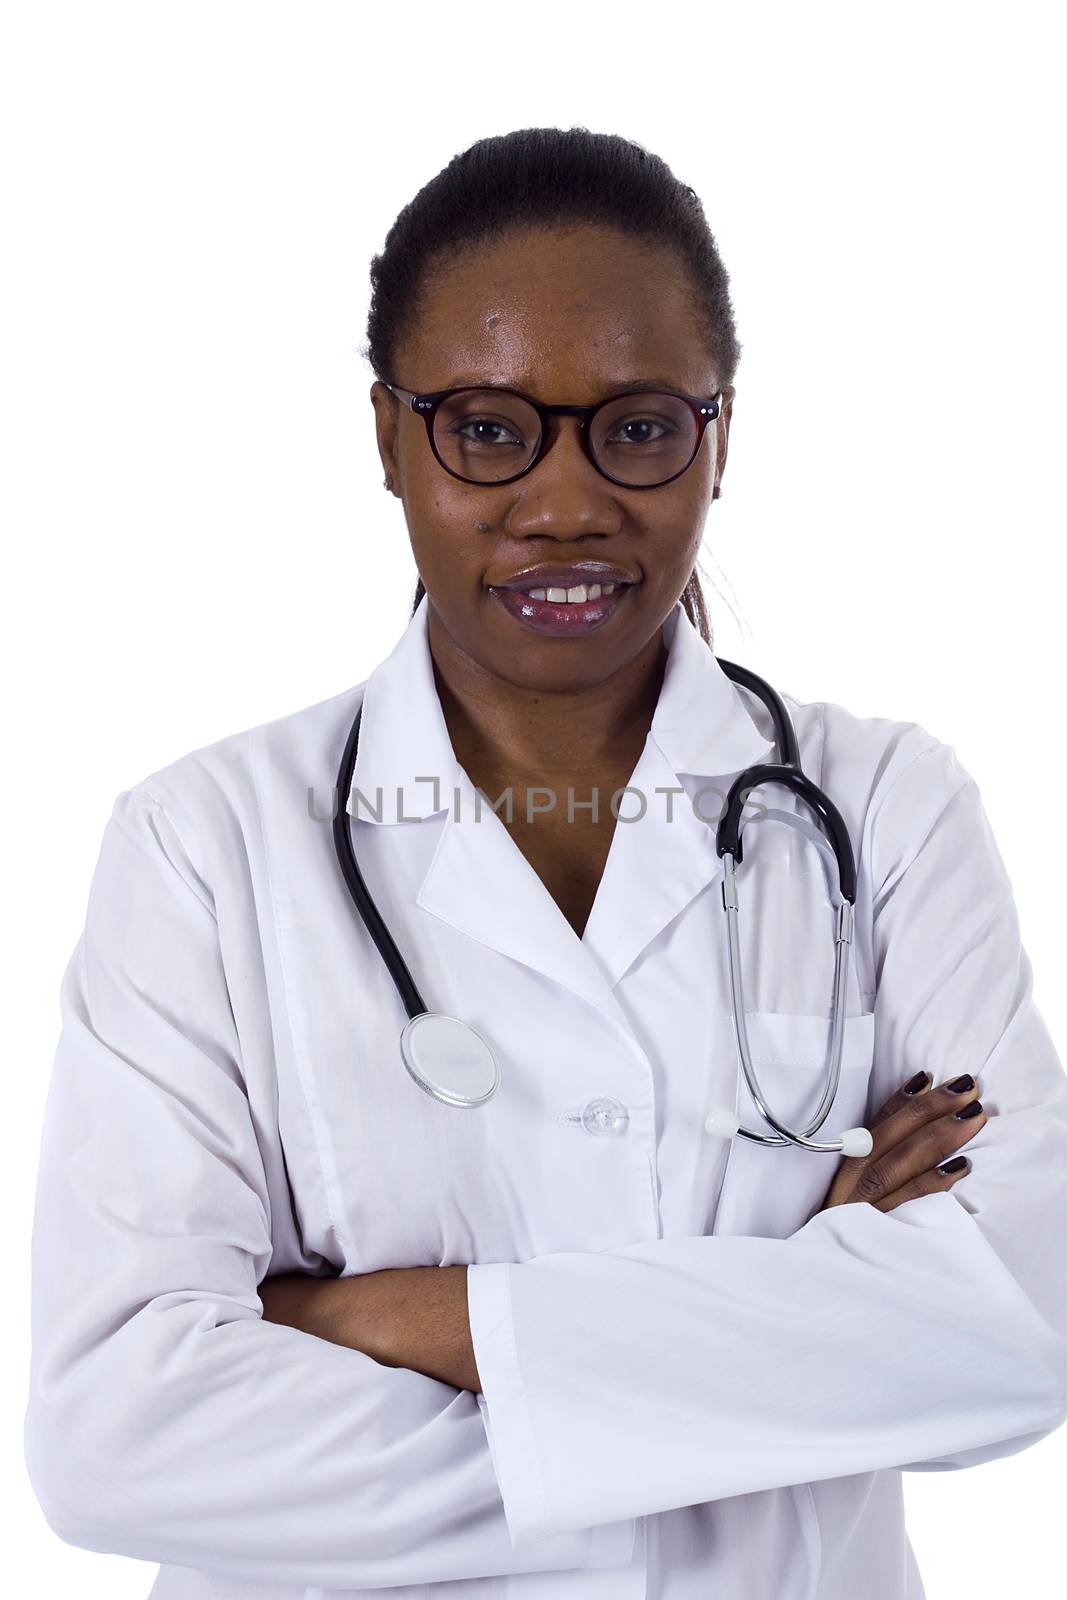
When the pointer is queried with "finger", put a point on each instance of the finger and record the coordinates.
(915, 1111)
(926, 1149)
(904, 1115)
(873, 1176)
(930, 1182)
(918, 1085)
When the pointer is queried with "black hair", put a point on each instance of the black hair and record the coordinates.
(542, 177)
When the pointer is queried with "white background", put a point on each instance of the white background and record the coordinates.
(196, 534)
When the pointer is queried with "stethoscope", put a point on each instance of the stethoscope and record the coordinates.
(451, 1061)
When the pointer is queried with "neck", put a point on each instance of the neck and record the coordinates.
(532, 735)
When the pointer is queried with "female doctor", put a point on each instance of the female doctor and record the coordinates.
(301, 1326)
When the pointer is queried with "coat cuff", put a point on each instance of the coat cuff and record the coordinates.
(509, 1426)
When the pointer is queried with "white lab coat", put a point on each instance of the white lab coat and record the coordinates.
(695, 1382)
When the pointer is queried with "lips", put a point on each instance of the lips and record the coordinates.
(560, 618)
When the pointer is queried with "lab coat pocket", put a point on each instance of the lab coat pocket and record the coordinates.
(769, 1190)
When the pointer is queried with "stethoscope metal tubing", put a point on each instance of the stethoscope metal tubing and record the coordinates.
(842, 942)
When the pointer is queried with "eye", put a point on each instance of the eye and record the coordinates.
(484, 431)
(638, 430)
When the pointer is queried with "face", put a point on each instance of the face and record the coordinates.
(567, 315)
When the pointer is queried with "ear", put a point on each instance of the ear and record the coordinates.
(386, 415)
(722, 440)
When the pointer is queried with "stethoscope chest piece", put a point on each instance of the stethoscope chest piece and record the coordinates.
(449, 1059)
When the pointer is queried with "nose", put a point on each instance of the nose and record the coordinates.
(564, 495)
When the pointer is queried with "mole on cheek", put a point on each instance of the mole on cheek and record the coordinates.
(482, 527)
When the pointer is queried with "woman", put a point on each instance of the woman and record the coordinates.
(300, 1327)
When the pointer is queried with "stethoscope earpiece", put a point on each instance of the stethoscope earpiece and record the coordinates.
(722, 1122)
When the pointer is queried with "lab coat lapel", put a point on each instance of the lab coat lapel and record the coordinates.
(658, 863)
(481, 884)
(702, 735)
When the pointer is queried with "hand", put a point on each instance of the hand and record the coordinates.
(913, 1134)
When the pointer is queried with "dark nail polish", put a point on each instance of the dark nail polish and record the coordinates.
(972, 1110)
(961, 1085)
(957, 1164)
(920, 1080)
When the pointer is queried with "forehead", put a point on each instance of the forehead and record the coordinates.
(563, 313)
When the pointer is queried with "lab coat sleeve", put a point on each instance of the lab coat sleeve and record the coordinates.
(671, 1372)
(167, 1420)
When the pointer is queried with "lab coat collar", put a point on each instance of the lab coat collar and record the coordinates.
(701, 730)
(405, 766)
(702, 723)
(479, 881)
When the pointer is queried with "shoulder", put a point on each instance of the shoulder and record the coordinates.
(892, 778)
(215, 798)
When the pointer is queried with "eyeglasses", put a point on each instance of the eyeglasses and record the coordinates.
(494, 435)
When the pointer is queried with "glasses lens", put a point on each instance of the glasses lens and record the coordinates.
(485, 435)
(644, 438)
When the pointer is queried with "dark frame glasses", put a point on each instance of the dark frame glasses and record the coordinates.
(426, 405)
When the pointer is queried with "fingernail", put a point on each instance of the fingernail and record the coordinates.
(961, 1085)
(972, 1110)
(957, 1164)
(920, 1080)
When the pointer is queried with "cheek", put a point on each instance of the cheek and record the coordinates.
(699, 482)
(449, 549)
(672, 536)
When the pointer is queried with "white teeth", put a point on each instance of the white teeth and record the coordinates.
(577, 595)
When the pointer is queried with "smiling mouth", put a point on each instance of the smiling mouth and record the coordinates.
(565, 602)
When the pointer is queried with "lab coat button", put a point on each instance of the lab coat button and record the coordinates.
(605, 1115)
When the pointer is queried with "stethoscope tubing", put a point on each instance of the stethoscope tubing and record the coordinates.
(413, 1003)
